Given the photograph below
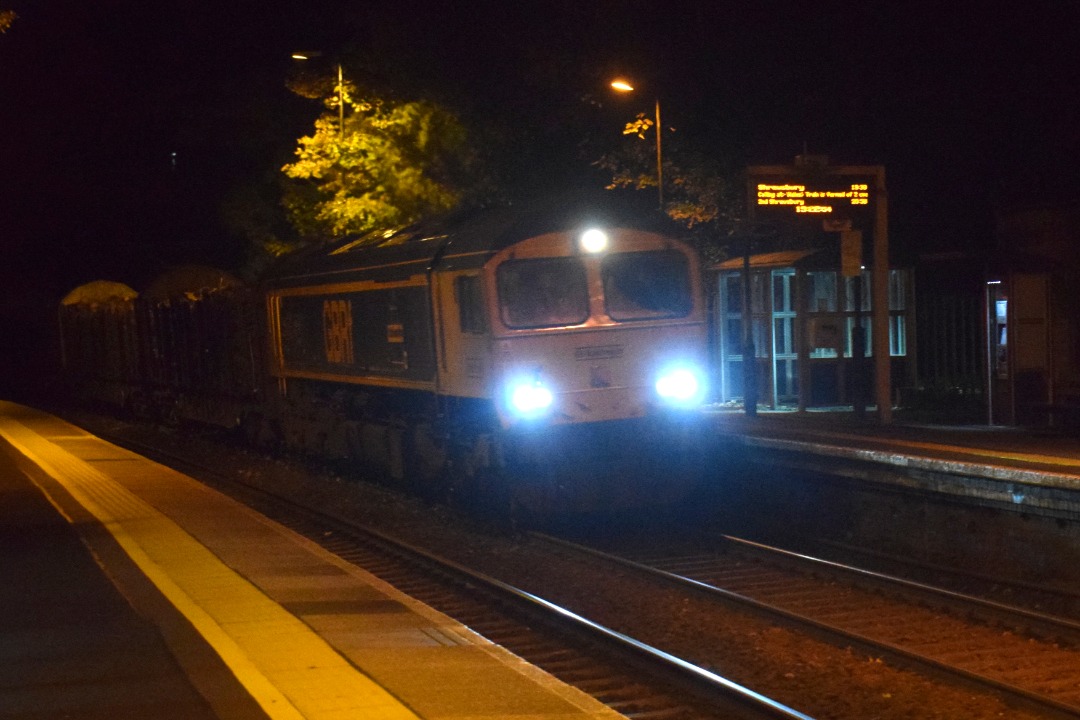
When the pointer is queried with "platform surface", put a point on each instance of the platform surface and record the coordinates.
(1029, 470)
(142, 593)
(1048, 456)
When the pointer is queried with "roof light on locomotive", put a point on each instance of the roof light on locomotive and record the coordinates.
(593, 241)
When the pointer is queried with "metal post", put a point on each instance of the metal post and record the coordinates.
(858, 354)
(989, 326)
(341, 102)
(749, 352)
(802, 338)
(659, 157)
(880, 291)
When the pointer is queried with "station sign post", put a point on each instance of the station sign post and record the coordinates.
(849, 200)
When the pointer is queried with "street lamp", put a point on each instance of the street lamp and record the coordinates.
(311, 54)
(620, 85)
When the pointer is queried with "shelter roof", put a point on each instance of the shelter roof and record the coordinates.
(782, 258)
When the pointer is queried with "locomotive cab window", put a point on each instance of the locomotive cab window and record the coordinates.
(470, 300)
(647, 285)
(545, 292)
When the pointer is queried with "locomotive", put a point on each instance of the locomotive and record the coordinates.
(549, 358)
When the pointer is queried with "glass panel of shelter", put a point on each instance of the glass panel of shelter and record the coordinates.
(775, 326)
(785, 354)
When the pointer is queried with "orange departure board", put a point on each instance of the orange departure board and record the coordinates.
(806, 198)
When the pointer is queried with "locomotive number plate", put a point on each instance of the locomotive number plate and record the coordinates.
(598, 352)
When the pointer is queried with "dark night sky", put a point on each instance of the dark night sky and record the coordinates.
(970, 106)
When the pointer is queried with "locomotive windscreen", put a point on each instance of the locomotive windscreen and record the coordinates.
(646, 285)
(545, 292)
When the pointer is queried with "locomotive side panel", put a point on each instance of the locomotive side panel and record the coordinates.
(377, 334)
(355, 365)
(463, 335)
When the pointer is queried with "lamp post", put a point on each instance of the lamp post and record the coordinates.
(624, 87)
(310, 54)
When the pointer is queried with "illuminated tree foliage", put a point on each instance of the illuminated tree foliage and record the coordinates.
(391, 163)
(699, 191)
(7, 17)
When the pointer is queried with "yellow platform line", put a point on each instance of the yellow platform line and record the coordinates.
(288, 669)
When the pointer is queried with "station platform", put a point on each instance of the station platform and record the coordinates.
(1035, 469)
(1053, 450)
(132, 591)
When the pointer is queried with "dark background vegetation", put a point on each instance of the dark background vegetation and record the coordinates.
(137, 135)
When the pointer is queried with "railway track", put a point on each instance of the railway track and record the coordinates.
(1031, 660)
(636, 680)
(1046, 598)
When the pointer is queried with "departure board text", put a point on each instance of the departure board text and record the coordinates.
(806, 199)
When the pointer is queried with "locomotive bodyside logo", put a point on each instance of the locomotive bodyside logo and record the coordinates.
(337, 331)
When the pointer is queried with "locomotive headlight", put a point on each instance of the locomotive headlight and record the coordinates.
(680, 385)
(593, 240)
(530, 398)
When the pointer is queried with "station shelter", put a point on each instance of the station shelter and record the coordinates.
(808, 352)
(999, 326)
(1021, 385)
(1032, 316)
